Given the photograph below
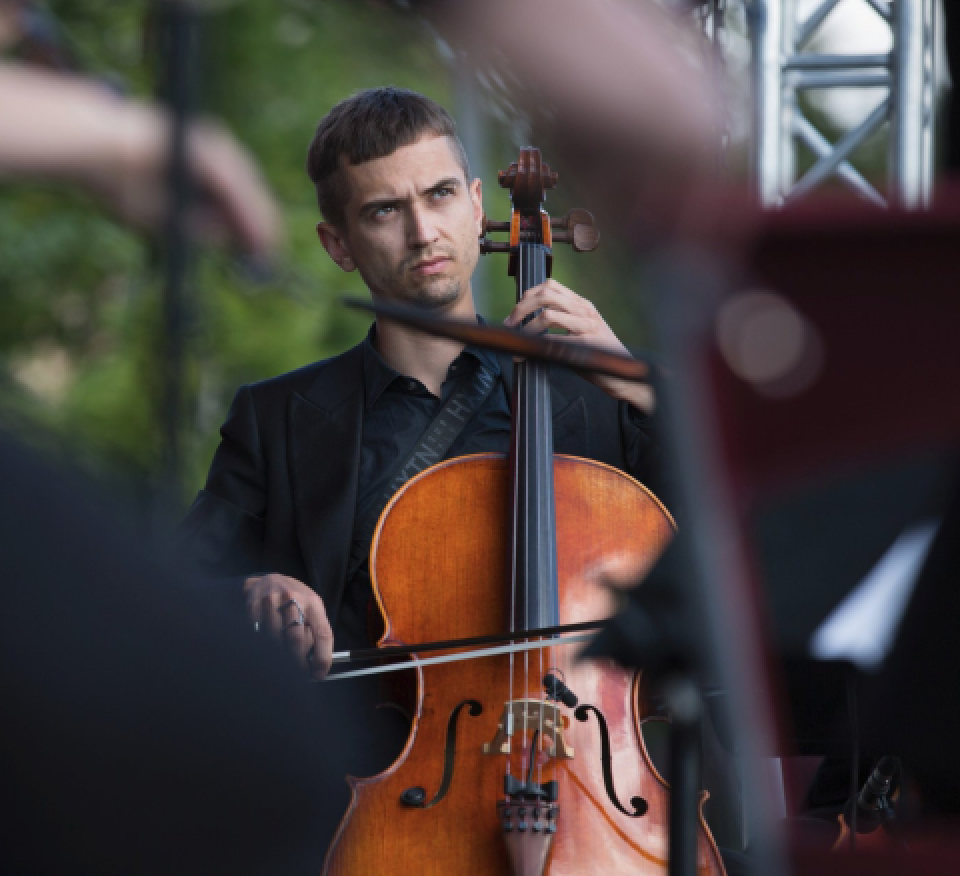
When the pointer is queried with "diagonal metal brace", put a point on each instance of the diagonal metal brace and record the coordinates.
(827, 165)
(814, 20)
(846, 172)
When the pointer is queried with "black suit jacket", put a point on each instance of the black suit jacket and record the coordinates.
(282, 489)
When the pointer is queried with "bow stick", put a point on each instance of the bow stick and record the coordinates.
(545, 348)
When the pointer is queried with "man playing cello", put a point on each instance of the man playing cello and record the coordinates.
(309, 459)
(287, 507)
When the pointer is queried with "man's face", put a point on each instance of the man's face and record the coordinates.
(411, 226)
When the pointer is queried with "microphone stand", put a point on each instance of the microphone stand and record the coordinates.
(685, 705)
(855, 756)
(654, 632)
(177, 57)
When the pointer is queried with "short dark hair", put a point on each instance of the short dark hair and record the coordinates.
(372, 124)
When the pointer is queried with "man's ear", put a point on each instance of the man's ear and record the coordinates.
(476, 196)
(336, 246)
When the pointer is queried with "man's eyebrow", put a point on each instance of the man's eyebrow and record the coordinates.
(376, 203)
(451, 182)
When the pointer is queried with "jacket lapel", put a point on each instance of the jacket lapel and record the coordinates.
(324, 433)
(568, 407)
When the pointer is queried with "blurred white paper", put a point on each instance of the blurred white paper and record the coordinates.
(862, 627)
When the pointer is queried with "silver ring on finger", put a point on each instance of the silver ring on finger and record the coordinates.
(300, 615)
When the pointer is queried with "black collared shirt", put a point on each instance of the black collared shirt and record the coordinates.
(397, 411)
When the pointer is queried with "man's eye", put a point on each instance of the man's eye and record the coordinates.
(443, 192)
(383, 211)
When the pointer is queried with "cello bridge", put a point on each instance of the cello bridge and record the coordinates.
(532, 715)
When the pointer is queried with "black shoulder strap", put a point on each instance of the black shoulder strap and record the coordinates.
(468, 396)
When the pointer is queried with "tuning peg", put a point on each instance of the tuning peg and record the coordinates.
(576, 216)
(492, 225)
(577, 228)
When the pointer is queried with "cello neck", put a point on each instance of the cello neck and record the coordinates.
(533, 552)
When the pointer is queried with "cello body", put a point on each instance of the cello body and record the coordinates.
(438, 561)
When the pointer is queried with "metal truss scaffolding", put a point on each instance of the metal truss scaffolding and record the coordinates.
(783, 68)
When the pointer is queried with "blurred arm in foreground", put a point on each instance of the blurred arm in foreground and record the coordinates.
(66, 129)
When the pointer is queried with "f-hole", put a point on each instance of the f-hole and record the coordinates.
(639, 805)
(416, 796)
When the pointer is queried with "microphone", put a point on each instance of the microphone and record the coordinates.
(873, 807)
(557, 690)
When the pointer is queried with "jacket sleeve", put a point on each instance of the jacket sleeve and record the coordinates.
(644, 457)
(223, 531)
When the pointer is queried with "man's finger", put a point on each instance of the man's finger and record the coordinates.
(319, 625)
(546, 297)
(320, 656)
(270, 618)
(254, 610)
(299, 640)
(557, 319)
(291, 614)
(296, 635)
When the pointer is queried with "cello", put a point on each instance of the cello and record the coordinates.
(528, 762)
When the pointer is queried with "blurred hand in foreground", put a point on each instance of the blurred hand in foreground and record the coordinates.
(624, 85)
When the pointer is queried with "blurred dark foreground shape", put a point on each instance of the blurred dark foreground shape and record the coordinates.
(146, 729)
(829, 368)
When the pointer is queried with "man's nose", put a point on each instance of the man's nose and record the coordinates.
(421, 229)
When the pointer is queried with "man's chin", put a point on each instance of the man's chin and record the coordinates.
(434, 298)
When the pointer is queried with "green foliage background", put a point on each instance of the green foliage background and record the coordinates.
(79, 294)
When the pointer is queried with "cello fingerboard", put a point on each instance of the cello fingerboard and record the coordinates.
(533, 554)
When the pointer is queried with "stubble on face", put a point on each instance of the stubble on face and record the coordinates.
(430, 292)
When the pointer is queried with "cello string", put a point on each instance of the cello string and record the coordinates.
(536, 453)
(525, 285)
(533, 511)
(533, 278)
(518, 394)
(545, 454)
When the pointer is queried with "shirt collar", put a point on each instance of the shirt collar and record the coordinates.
(378, 375)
